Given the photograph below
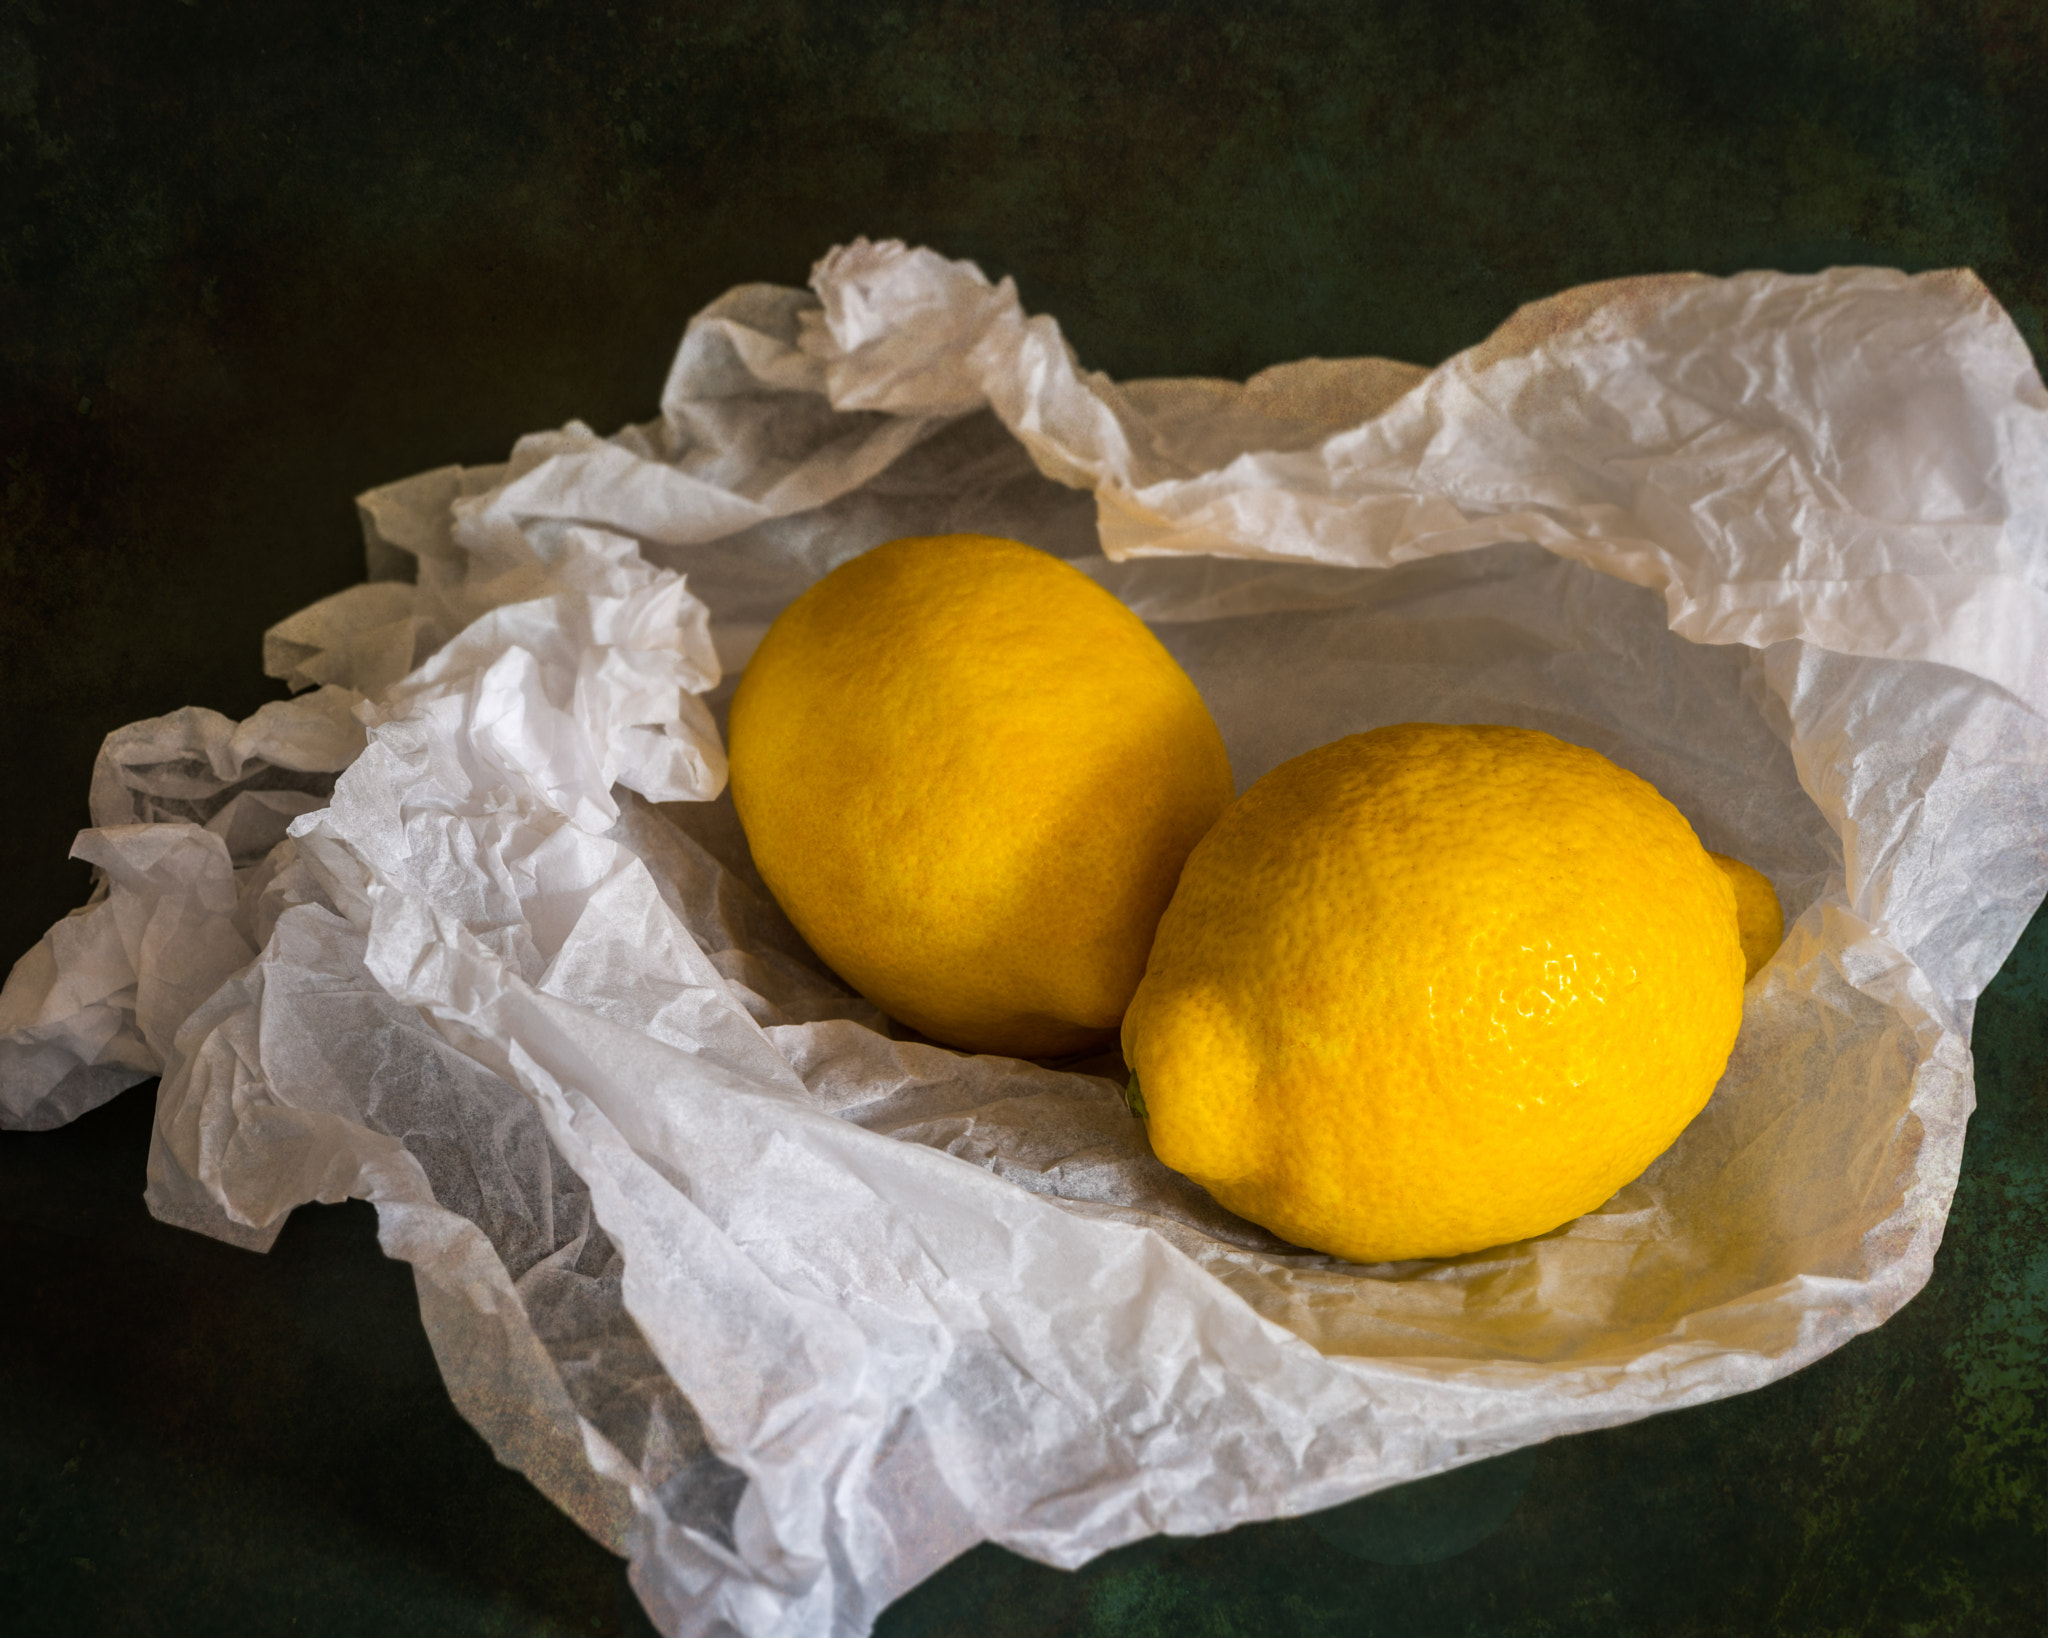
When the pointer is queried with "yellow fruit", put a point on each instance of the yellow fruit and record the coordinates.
(1758, 918)
(1432, 989)
(970, 776)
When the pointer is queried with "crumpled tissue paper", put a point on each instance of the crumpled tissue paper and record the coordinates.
(791, 1308)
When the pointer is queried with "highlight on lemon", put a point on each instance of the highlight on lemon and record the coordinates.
(970, 777)
(1433, 989)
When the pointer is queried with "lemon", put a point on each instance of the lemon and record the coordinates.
(970, 776)
(1759, 920)
(1432, 989)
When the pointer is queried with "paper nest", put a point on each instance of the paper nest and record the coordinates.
(792, 1310)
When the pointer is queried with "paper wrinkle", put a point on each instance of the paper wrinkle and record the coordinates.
(792, 1307)
(185, 809)
(570, 694)
(364, 638)
(1852, 459)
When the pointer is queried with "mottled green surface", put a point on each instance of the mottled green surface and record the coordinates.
(255, 258)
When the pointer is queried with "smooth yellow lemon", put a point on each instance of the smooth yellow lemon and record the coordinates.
(1759, 918)
(1432, 989)
(970, 776)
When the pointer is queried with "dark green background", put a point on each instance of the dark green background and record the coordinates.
(257, 257)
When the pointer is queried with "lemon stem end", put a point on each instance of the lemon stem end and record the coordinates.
(1134, 1100)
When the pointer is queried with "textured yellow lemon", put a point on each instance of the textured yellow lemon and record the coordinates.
(1432, 989)
(1759, 919)
(970, 776)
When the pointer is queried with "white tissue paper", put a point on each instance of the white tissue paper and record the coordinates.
(791, 1309)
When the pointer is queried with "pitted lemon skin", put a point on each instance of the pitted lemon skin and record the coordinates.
(970, 776)
(1433, 989)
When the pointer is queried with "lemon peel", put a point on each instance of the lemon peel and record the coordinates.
(970, 777)
(1433, 989)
